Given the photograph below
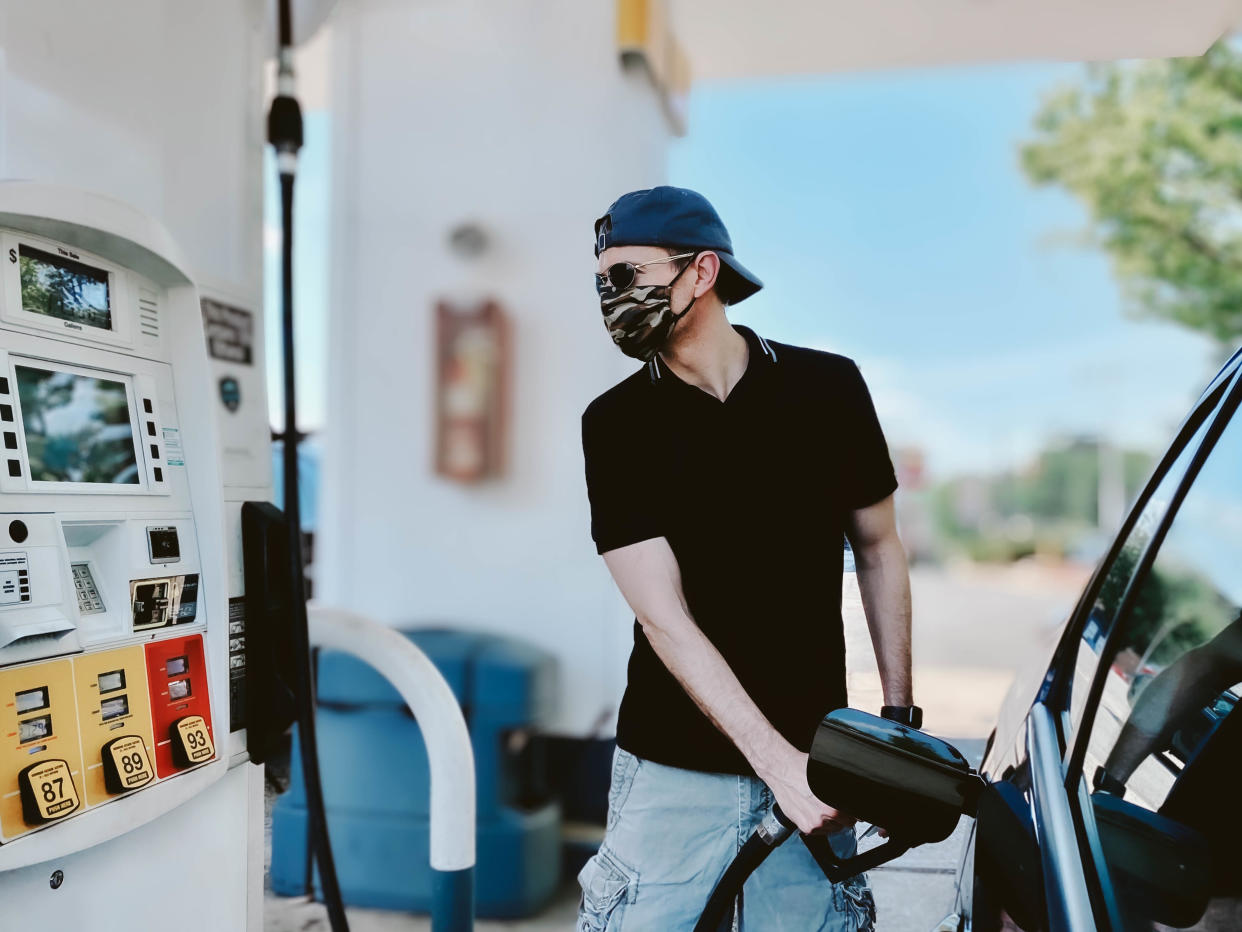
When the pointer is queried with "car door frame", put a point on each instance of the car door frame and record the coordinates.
(1077, 891)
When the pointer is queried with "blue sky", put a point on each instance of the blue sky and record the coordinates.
(311, 281)
(890, 221)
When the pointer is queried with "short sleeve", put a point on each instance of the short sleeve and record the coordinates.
(867, 472)
(618, 484)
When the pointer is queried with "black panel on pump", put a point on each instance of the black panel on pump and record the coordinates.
(271, 706)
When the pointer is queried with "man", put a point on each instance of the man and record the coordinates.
(722, 477)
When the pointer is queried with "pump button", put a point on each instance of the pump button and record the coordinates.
(6, 412)
(146, 406)
(126, 765)
(47, 792)
(18, 532)
(190, 742)
(15, 468)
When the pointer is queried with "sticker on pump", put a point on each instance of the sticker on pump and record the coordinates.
(190, 742)
(126, 764)
(47, 792)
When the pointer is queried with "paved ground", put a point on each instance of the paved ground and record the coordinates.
(973, 629)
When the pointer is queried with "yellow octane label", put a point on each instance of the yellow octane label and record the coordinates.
(129, 755)
(53, 788)
(194, 738)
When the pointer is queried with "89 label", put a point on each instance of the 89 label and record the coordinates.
(131, 768)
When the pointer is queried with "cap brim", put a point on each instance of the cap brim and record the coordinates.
(740, 283)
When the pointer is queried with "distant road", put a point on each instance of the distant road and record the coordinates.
(975, 626)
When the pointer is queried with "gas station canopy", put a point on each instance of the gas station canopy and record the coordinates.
(740, 39)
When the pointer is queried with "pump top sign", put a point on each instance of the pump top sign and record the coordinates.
(230, 332)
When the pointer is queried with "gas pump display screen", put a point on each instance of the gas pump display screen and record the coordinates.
(60, 287)
(111, 681)
(31, 699)
(114, 708)
(77, 427)
(34, 728)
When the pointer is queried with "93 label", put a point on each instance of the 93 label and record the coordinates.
(195, 741)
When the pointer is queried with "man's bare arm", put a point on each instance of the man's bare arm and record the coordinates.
(650, 579)
(884, 581)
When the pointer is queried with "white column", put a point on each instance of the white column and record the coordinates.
(517, 117)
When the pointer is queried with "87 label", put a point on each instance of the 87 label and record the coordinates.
(47, 791)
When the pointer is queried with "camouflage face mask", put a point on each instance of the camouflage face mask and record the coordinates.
(640, 319)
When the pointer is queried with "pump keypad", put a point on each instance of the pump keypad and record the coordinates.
(84, 588)
(14, 578)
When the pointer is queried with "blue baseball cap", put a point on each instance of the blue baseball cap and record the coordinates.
(679, 219)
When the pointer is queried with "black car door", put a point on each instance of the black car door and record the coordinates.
(1038, 860)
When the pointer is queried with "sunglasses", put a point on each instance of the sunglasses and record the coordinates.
(621, 275)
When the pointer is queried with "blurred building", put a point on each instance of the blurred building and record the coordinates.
(1060, 503)
(915, 521)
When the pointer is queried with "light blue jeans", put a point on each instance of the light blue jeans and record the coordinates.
(671, 833)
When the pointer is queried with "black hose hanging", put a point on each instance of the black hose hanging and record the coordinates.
(770, 835)
(285, 134)
(748, 859)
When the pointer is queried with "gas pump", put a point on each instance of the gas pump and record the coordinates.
(125, 796)
(147, 657)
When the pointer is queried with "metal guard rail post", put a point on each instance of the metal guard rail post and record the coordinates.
(444, 730)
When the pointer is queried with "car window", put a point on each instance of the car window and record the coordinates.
(1162, 753)
(1102, 611)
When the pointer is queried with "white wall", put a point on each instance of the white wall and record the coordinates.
(519, 117)
(156, 103)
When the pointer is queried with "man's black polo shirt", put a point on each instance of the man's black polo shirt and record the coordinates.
(752, 494)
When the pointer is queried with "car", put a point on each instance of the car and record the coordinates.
(1112, 772)
(1111, 781)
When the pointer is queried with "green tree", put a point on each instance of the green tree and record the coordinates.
(34, 293)
(1153, 149)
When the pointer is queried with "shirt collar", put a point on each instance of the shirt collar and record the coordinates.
(761, 354)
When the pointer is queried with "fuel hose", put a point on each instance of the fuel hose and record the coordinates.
(284, 131)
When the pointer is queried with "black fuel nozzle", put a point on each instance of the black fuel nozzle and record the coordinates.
(775, 827)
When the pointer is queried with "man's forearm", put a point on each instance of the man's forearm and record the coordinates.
(707, 679)
(884, 581)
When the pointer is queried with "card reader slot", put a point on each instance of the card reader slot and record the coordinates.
(13, 631)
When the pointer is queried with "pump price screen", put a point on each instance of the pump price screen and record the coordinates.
(31, 699)
(32, 729)
(111, 681)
